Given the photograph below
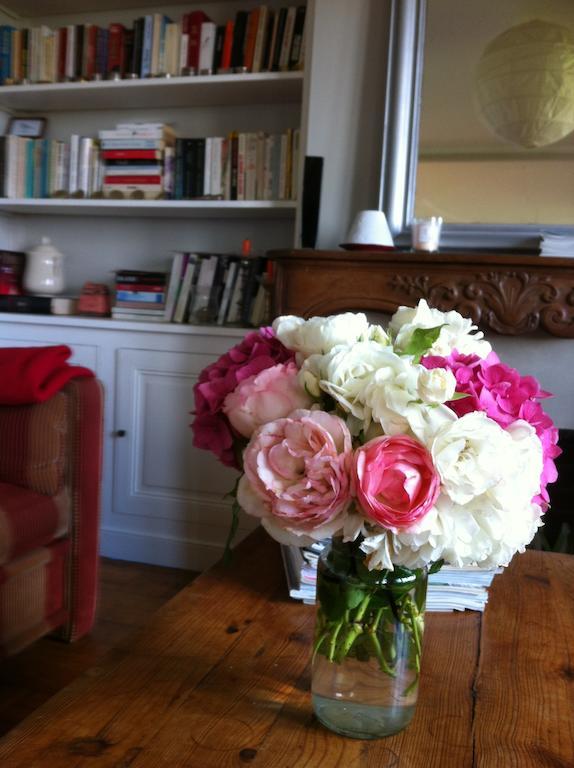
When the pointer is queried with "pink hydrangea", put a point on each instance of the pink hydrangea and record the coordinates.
(211, 428)
(504, 395)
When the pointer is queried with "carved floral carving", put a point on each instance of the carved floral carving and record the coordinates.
(507, 301)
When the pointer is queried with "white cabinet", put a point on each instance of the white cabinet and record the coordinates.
(163, 500)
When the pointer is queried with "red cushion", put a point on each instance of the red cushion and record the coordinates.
(29, 520)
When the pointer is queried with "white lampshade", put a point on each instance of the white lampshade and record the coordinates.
(369, 230)
(525, 84)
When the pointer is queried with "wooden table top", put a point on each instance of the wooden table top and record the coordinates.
(220, 677)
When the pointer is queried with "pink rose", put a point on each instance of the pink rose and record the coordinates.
(395, 481)
(298, 473)
(269, 395)
(256, 352)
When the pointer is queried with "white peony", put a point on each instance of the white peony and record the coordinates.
(320, 334)
(390, 390)
(436, 385)
(471, 455)
(456, 332)
(344, 373)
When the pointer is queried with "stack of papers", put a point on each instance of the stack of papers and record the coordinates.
(451, 589)
(556, 245)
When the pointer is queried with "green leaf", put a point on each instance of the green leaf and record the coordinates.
(353, 597)
(459, 396)
(436, 566)
(331, 600)
(421, 340)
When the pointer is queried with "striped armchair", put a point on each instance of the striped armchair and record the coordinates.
(50, 466)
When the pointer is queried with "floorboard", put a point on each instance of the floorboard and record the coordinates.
(129, 594)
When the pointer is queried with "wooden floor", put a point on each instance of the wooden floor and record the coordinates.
(129, 594)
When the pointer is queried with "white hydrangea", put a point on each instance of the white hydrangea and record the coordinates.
(456, 332)
(320, 334)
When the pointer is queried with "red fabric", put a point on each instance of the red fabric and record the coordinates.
(27, 520)
(34, 374)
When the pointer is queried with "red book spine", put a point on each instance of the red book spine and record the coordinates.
(137, 287)
(62, 43)
(91, 43)
(116, 48)
(132, 154)
(132, 179)
(196, 19)
(227, 46)
(250, 39)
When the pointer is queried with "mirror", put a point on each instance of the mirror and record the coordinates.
(491, 192)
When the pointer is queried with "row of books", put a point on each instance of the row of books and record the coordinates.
(241, 166)
(253, 41)
(223, 289)
(450, 589)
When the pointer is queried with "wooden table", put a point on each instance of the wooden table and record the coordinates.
(220, 677)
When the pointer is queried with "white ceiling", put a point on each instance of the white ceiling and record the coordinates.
(457, 33)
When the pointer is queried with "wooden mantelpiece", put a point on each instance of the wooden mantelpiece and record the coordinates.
(507, 293)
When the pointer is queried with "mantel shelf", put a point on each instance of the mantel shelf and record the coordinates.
(271, 209)
(199, 91)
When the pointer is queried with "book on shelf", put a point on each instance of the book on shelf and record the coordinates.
(189, 272)
(139, 292)
(26, 304)
(240, 166)
(450, 589)
(260, 40)
(11, 272)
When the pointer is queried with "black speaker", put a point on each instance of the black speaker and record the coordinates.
(311, 202)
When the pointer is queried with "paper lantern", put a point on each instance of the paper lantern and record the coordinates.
(525, 84)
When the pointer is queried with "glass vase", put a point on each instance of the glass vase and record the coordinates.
(368, 644)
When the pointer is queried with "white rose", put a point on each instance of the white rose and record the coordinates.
(456, 332)
(522, 484)
(390, 390)
(320, 334)
(436, 385)
(344, 372)
(471, 455)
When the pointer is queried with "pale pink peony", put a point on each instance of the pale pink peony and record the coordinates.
(395, 481)
(211, 429)
(505, 396)
(269, 395)
(298, 473)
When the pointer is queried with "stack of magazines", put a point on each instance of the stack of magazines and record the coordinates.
(451, 589)
(556, 245)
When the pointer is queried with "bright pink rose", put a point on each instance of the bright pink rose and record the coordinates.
(269, 395)
(395, 481)
(258, 350)
(299, 467)
(505, 396)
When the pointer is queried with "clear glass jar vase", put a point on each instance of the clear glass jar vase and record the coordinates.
(368, 644)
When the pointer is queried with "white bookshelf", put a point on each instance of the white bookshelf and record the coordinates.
(210, 209)
(161, 92)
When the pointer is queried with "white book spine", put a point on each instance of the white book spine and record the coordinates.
(260, 167)
(241, 152)
(207, 46)
(251, 166)
(216, 169)
(207, 167)
(260, 39)
(74, 163)
(184, 295)
(227, 291)
(287, 39)
(183, 49)
(11, 170)
(86, 146)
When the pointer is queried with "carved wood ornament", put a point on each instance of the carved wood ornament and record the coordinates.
(509, 294)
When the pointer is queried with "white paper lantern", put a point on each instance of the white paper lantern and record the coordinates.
(525, 84)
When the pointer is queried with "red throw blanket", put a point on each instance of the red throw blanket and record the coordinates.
(34, 374)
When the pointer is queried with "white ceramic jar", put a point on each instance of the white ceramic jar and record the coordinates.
(44, 272)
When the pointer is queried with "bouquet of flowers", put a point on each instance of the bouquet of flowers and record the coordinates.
(411, 446)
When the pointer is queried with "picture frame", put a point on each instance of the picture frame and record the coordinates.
(27, 127)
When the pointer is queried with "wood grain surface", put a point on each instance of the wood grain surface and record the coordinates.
(507, 293)
(220, 677)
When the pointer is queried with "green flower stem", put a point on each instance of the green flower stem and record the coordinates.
(355, 628)
(333, 640)
(379, 653)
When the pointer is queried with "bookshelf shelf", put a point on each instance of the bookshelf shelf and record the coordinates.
(198, 91)
(271, 209)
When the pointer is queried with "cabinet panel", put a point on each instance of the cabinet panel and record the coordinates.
(158, 472)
